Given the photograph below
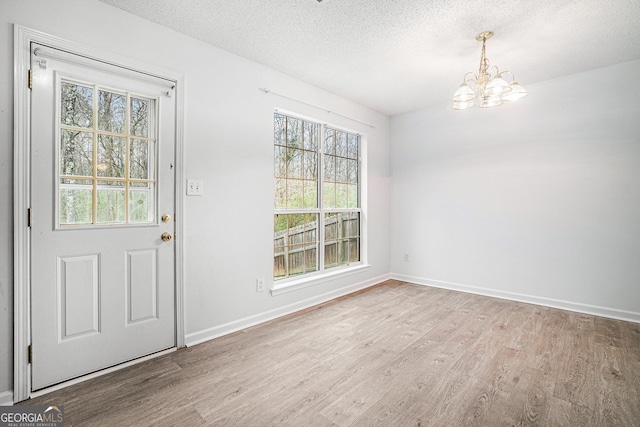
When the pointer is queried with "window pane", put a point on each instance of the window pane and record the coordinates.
(311, 131)
(352, 197)
(310, 194)
(294, 163)
(311, 260)
(296, 260)
(352, 171)
(329, 169)
(329, 195)
(341, 173)
(76, 204)
(140, 159)
(76, 105)
(330, 141)
(341, 195)
(280, 161)
(341, 170)
(139, 117)
(280, 200)
(341, 144)
(280, 129)
(330, 254)
(354, 250)
(111, 111)
(111, 156)
(294, 133)
(294, 194)
(352, 146)
(141, 205)
(76, 153)
(310, 165)
(110, 202)
(295, 244)
(342, 238)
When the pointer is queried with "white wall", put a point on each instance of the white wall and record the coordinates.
(538, 200)
(228, 144)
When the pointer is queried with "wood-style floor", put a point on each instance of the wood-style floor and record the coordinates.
(394, 355)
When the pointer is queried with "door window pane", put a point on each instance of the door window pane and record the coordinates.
(76, 153)
(111, 202)
(139, 117)
(111, 156)
(141, 204)
(76, 205)
(140, 159)
(111, 111)
(76, 105)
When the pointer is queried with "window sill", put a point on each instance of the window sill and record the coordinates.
(295, 284)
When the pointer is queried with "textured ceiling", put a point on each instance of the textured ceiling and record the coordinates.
(397, 56)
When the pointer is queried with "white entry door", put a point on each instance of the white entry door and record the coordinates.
(102, 197)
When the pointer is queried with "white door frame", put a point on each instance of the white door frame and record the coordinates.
(23, 37)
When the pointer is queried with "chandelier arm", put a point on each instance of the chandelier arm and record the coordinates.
(473, 79)
(513, 78)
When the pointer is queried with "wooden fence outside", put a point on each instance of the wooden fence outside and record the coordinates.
(295, 249)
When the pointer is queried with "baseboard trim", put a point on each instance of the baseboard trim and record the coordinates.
(237, 325)
(612, 313)
(6, 398)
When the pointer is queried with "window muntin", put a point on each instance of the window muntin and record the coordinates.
(107, 156)
(317, 187)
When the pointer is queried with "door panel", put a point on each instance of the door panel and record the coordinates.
(102, 279)
(142, 285)
(79, 290)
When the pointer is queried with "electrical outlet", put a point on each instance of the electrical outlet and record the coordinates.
(405, 257)
(259, 285)
(195, 187)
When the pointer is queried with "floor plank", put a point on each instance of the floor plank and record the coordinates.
(396, 354)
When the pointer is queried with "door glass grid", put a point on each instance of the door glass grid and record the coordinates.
(107, 156)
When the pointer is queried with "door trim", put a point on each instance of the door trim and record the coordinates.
(23, 37)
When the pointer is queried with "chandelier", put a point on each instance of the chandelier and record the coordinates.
(488, 88)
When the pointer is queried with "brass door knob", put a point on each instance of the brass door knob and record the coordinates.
(166, 236)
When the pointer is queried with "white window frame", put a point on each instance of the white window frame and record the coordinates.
(322, 274)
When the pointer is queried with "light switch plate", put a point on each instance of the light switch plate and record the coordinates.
(194, 187)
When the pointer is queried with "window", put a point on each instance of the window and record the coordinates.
(106, 150)
(317, 197)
